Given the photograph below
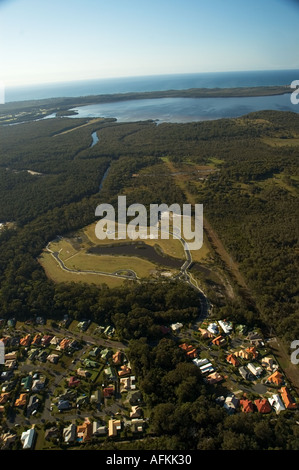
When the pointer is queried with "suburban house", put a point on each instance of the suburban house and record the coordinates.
(277, 404)
(109, 372)
(231, 358)
(268, 363)
(205, 334)
(226, 326)
(243, 372)
(243, 353)
(82, 372)
(51, 433)
(108, 392)
(26, 383)
(219, 341)
(252, 352)
(127, 383)
(36, 340)
(11, 356)
(213, 378)
(105, 354)
(84, 431)
(176, 326)
(69, 433)
(55, 341)
(206, 368)
(117, 358)
(63, 405)
(98, 429)
(113, 427)
(96, 397)
(263, 405)
(213, 328)
(26, 340)
(276, 378)
(256, 371)
(231, 403)
(28, 438)
(7, 439)
(73, 381)
(288, 400)
(4, 397)
(95, 351)
(21, 401)
(200, 362)
(136, 412)
(33, 404)
(46, 340)
(247, 405)
(124, 370)
(53, 358)
(137, 425)
(38, 384)
(64, 344)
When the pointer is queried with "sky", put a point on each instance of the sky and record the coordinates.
(69, 40)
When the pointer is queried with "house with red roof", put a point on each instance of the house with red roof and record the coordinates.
(263, 405)
(247, 405)
(73, 382)
(288, 400)
(219, 341)
(108, 392)
(231, 358)
(276, 378)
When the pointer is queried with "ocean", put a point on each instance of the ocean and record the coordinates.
(152, 83)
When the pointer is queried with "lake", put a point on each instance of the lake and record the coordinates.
(180, 110)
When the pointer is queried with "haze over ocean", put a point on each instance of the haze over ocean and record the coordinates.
(152, 83)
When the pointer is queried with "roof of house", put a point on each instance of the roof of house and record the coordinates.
(22, 400)
(27, 438)
(288, 399)
(252, 351)
(247, 406)
(263, 405)
(117, 357)
(125, 370)
(73, 381)
(108, 392)
(84, 431)
(232, 359)
(214, 378)
(113, 426)
(26, 340)
(276, 402)
(218, 340)
(276, 378)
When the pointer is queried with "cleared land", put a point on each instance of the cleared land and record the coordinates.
(79, 265)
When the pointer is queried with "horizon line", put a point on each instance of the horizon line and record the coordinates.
(122, 77)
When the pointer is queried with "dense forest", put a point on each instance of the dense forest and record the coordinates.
(49, 185)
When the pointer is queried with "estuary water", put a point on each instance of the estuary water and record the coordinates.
(180, 110)
(169, 109)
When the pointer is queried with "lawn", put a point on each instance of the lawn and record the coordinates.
(57, 274)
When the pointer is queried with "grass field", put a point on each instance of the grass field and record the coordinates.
(54, 272)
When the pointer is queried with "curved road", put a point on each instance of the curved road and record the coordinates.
(184, 274)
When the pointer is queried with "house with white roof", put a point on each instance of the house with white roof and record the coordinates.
(213, 328)
(226, 327)
(277, 404)
(27, 438)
